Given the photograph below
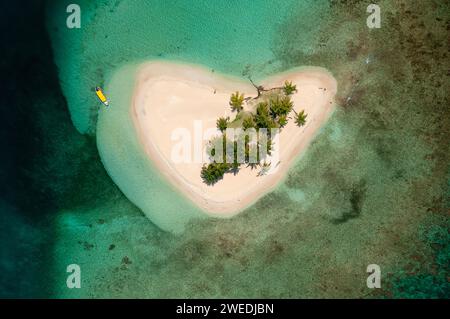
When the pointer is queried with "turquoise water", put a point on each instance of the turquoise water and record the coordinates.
(360, 195)
(234, 37)
(126, 162)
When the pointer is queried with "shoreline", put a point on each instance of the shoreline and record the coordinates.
(176, 94)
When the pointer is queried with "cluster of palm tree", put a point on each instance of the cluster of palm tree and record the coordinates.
(228, 160)
(262, 118)
(280, 109)
(272, 112)
(214, 172)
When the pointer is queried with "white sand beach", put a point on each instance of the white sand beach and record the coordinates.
(171, 95)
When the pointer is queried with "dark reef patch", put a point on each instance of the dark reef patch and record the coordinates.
(356, 199)
(396, 111)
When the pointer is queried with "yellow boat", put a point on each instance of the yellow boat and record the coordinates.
(101, 96)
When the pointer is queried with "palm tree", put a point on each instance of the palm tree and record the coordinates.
(222, 123)
(262, 108)
(289, 88)
(300, 118)
(248, 123)
(213, 172)
(264, 121)
(262, 117)
(236, 101)
(287, 105)
(281, 106)
(282, 121)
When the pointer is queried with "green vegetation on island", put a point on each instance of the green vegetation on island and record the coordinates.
(300, 118)
(254, 129)
(222, 123)
(289, 88)
(236, 101)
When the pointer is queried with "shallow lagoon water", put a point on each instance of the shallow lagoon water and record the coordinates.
(234, 37)
(230, 37)
(360, 195)
(128, 165)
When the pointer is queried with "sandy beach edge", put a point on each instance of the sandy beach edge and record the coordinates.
(291, 147)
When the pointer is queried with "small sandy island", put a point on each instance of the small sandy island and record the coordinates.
(170, 96)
